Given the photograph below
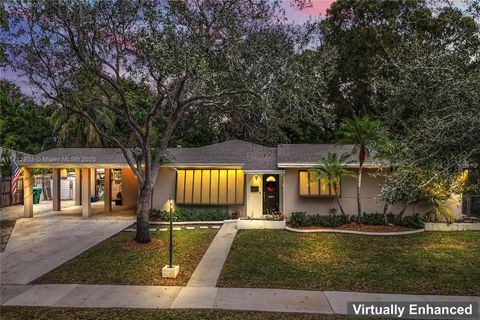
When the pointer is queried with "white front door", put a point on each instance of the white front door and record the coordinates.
(254, 196)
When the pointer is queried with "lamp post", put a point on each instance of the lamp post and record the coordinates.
(170, 270)
(171, 232)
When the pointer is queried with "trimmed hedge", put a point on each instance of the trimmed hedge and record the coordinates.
(374, 219)
(302, 219)
(207, 214)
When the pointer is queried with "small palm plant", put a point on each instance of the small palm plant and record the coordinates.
(440, 210)
(333, 168)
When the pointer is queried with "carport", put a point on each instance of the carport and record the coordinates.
(85, 162)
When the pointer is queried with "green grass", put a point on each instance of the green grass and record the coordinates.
(425, 263)
(20, 313)
(111, 263)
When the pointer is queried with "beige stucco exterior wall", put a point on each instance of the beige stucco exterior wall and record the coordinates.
(370, 190)
(164, 188)
(370, 202)
(289, 197)
(129, 188)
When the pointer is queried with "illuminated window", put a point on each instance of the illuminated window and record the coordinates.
(210, 186)
(310, 186)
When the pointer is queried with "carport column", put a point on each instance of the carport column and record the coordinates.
(86, 206)
(93, 182)
(107, 195)
(27, 193)
(56, 189)
(78, 187)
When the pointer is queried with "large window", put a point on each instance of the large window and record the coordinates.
(210, 186)
(310, 186)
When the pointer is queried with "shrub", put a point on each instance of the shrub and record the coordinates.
(302, 219)
(299, 219)
(415, 222)
(180, 214)
(376, 219)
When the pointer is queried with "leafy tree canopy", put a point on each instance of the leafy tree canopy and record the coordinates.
(364, 31)
(24, 126)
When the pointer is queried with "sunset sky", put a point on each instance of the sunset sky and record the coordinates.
(318, 7)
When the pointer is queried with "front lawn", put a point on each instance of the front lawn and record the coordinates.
(119, 260)
(425, 263)
(20, 313)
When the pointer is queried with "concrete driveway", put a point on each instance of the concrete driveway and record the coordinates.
(16, 212)
(39, 245)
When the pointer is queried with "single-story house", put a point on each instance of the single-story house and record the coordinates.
(246, 178)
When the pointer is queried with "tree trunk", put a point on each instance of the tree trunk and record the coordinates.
(385, 209)
(338, 199)
(143, 211)
(400, 215)
(359, 186)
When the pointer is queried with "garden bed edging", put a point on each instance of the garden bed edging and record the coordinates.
(436, 226)
(397, 233)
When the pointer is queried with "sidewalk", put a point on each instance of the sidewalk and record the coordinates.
(252, 299)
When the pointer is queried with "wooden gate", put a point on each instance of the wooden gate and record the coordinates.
(6, 198)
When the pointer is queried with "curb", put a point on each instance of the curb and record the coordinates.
(187, 222)
(399, 233)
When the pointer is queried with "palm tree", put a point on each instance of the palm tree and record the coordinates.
(364, 134)
(75, 131)
(332, 168)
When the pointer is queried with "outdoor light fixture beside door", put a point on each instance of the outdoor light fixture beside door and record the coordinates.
(170, 270)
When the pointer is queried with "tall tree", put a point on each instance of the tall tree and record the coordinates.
(149, 63)
(358, 29)
(364, 134)
(24, 126)
(430, 101)
(364, 31)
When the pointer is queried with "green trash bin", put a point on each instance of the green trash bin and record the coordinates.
(37, 191)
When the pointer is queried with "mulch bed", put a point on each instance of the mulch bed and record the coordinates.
(154, 244)
(364, 228)
(6, 228)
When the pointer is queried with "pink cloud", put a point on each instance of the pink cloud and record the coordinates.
(314, 9)
(318, 7)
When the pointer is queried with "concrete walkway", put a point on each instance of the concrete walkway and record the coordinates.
(208, 270)
(16, 212)
(39, 245)
(252, 299)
